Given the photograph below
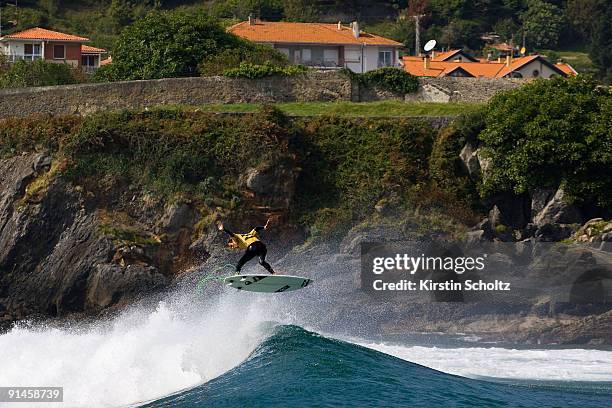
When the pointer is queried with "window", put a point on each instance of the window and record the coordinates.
(535, 73)
(88, 61)
(59, 52)
(385, 58)
(31, 52)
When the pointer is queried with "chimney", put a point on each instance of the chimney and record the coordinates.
(508, 60)
(426, 61)
(251, 20)
(355, 26)
(339, 25)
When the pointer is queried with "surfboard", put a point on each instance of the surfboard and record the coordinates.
(267, 283)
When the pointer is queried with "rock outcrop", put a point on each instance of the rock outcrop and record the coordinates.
(53, 257)
(66, 250)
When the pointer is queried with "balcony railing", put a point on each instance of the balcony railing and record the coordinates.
(15, 57)
(88, 69)
(321, 63)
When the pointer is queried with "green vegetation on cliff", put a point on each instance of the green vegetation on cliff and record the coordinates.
(546, 134)
(346, 165)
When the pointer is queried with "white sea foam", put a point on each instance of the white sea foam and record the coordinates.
(503, 363)
(141, 355)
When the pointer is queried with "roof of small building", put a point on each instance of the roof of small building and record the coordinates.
(486, 69)
(443, 56)
(306, 33)
(86, 49)
(567, 68)
(38, 33)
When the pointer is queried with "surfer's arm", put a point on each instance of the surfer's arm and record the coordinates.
(221, 227)
(262, 227)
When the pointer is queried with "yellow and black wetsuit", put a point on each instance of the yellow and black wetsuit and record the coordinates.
(254, 247)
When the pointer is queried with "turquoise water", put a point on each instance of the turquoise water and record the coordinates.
(294, 367)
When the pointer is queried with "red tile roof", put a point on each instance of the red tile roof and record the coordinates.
(38, 33)
(446, 54)
(516, 63)
(306, 33)
(86, 49)
(567, 68)
(487, 69)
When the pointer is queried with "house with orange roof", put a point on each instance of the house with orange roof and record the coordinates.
(532, 66)
(323, 45)
(39, 43)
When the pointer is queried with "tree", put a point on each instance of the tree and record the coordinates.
(580, 15)
(50, 6)
(551, 132)
(300, 10)
(166, 44)
(507, 29)
(601, 46)
(543, 23)
(120, 14)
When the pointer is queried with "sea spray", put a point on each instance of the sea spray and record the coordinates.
(140, 355)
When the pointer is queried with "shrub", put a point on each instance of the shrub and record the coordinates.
(391, 79)
(445, 167)
(39, 73)
(166, 44)
(256, 54)
(253, 71)
(551, 132)
(352, 164)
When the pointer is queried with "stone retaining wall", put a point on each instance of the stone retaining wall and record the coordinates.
(311, 87)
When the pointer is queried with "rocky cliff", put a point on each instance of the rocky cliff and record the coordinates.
(98, 212)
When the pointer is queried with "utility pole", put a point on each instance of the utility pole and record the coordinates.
(417, 34)
(416, 9)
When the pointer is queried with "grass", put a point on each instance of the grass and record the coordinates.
(578, 59)
(351, 109)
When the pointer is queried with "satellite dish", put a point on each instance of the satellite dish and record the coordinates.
(430, 45)
(523, 51)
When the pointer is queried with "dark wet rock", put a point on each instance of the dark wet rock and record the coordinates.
(54, 257)
(510, 210)
(554, 232)
(539, 198)
(272, 185)
(41, 162)
(470, 161)
(178, 215)
(351, 243)
(557, 211)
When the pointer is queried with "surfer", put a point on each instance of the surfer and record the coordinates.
(254, 247)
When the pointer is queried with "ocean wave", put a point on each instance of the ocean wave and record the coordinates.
(504, 363)
(295, 367)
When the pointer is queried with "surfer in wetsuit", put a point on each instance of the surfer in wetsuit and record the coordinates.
(254, 247)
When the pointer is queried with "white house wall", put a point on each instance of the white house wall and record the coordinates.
(371, 58)
(544, 70)
(352, 58)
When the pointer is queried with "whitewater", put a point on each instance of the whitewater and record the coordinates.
(186, 339)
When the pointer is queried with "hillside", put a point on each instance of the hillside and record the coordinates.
(550, 24)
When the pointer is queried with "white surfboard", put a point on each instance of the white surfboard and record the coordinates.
(267, 283)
